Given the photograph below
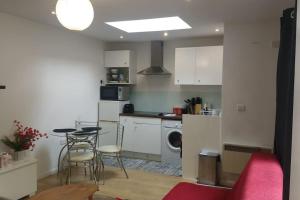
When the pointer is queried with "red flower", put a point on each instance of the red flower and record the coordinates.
(25, 137)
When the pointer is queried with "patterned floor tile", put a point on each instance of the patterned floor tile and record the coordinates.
(146, 165)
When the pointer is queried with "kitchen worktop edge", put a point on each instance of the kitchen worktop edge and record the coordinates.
(150, 115)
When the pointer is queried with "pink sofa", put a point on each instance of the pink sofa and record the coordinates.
(262, 179)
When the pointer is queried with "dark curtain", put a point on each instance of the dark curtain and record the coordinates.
(285, 95)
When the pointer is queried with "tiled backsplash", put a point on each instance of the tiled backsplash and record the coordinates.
(164, 101)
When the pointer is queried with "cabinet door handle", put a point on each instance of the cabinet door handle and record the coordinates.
(199, 81)
(138, 123)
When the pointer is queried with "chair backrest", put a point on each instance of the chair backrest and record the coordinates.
(81, 137)
(88, 126)
(120, 135)
(262, 179)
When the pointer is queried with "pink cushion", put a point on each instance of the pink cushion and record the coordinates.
(189, 191)
(262, 179)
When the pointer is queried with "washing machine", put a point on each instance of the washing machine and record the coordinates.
(171, 142)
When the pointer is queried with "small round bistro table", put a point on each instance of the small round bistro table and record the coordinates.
(75, 132)
(68, 192)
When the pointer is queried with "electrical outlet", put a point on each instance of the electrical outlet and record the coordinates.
(241, 107)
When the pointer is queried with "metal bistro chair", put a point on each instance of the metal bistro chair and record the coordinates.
(112, 151)
(79, 125)
(87, 156)
(88, 127)
(64, 131)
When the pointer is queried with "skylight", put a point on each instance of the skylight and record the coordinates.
(150, 25)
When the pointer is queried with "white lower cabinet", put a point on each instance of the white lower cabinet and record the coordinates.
(147, 133)
(142, 135)
(128, 138)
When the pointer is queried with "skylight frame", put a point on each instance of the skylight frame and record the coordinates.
(151, 25)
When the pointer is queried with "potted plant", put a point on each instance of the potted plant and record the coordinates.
(23, 140)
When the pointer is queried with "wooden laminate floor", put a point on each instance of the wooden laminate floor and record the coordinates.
(140, 185)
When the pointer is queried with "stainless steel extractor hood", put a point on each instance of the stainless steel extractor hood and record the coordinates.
(156, 67)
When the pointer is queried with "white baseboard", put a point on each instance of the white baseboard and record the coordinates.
(48, 173)
(189, 179)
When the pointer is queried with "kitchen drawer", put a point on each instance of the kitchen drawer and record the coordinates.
(146, 120)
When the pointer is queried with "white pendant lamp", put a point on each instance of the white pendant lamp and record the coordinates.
(75, 14)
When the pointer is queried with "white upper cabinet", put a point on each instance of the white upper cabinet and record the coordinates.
(199, 65)
(185, 62)
(120, 67)
(209, 65)
(117, 58)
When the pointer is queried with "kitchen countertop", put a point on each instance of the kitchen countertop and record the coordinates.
(151, 115)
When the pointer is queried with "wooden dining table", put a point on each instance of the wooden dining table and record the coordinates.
(68, 192)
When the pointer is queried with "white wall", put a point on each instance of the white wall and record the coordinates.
(52, 79)
(159, 93)
(196, 139)
(249, 77)
(295, 164)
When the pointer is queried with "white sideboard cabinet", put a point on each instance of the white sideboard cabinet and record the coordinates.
(19, 179)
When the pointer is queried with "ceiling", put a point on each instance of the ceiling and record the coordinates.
(203, 15)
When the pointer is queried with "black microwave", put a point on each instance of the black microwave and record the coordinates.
(114, 93)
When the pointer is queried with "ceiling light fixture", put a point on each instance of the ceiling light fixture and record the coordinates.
(121, 37)
(217, 30)
(53, 13)
(75, 14)
(150, 25)
(166, 34)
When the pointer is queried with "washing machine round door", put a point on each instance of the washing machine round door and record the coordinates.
(174, 139)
